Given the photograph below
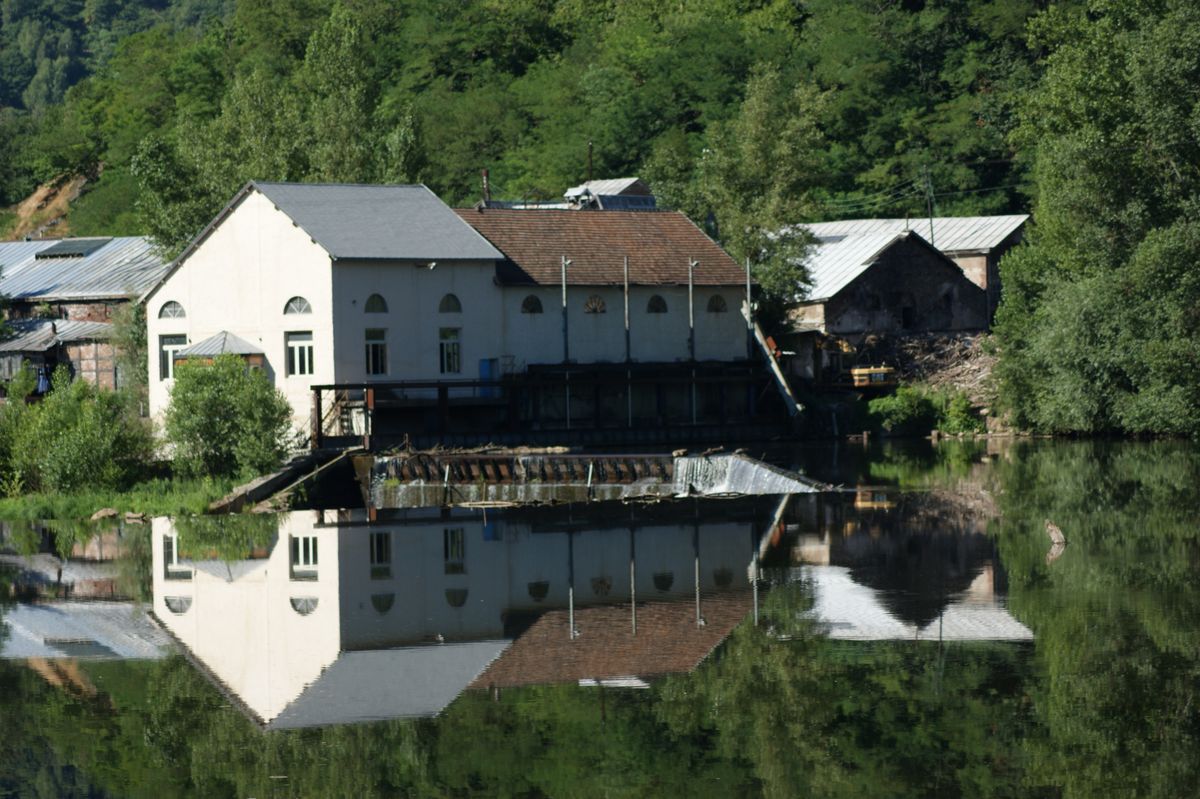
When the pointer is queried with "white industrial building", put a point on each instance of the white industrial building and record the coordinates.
(353, 284)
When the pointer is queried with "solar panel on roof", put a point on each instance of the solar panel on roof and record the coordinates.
(73, 248)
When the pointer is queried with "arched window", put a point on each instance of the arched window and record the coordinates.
(178, 604)
(664, 580)
(297, 305)
(456, 597)
(375, 304)
(450, 304)
(595, 304)
(601, 585)
(656, 305)
(304, 605)
(383, 602)
(538, 590)
(531, 304)
(716, 304)
(171, 310)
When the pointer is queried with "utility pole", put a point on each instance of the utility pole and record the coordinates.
(929, 202)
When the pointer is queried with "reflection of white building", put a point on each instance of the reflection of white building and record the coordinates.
(854, 612)
(343, 622)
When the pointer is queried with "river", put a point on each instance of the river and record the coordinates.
(916, 633)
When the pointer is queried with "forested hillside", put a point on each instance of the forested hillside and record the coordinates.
(746, 114)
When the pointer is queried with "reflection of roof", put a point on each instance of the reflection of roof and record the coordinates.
(950, 233)
(361, 221)
(81, 629)
(222, 343)
(668, 641)
(105, 269)
(40, 335)
(855, 612)
(379, 684)
(658, 245)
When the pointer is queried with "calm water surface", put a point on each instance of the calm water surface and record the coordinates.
(912, 635)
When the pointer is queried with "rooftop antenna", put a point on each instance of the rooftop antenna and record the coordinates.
(589, 163)
(487, 188)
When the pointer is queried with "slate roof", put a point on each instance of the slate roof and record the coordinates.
(951, 234)
(374, 685)
(378, 222)
(668, 641)
(40, 335)
(119, 268)
(219, 344)
(658, 244)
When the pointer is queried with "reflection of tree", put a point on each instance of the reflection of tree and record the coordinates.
(1115, 616)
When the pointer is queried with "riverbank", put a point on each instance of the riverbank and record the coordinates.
(159, 497)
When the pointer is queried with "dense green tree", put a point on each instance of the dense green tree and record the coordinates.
(226, 419)
(1097, 326)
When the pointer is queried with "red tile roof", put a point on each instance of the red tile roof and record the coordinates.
(668, 641)
(658, 243)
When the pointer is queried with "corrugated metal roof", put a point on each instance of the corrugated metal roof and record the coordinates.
(392, 222)
(221, 343)
(610, 186)
(123, 267)
(40, 335)
(120, 630)
(74, 248)
(950, 233)
(657, 243)
(835, 261)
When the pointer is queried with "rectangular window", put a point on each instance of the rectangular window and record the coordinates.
(454, 550)
(167, 347)
(173, 570)
(299, 353)
(381, 556)
(304, 557)
(376, 351)
(449, 350)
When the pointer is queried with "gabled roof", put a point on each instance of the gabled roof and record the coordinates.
(219, 344)
(40, 335)
(380, 684)
(950, 233)
(610, 186)
(378, 222)
(658, 244)
(835, 261)
(78, 269)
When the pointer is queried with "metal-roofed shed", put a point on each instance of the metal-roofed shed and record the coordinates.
(78, 270)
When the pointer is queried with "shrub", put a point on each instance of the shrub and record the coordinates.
(226, 420)
(916, 410)
(77, 437)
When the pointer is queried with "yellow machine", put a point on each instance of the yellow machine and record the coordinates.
(873, 377)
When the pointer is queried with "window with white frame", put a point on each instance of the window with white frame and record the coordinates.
(172, 570)
(299, 352)
(454, 550)
(376, 351)
(304, 557)
(381, 555)
(167, 347)
(450, 350)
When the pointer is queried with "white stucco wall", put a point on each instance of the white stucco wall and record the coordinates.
(239, 279)
(600, 337)
(413, 293)
(245, 630)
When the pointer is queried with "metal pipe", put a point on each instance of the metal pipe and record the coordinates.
(632, 582)
(628, 348)
(566, 345)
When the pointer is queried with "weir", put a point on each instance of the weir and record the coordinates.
(515, 478)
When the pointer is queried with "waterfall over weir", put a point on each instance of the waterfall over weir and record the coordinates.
(445, 478)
